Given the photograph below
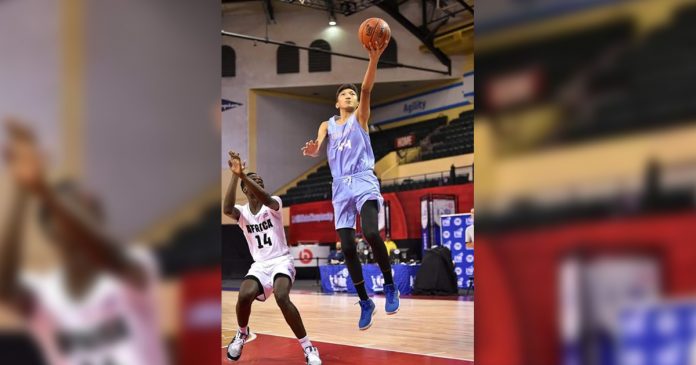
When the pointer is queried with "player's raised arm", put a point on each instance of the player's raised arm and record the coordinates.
(101, 247)
(375, 50)
(228, 207)
(28, 171)
(10, 252)
(311, 148)
(262, 195)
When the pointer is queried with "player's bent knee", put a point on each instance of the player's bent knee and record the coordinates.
(245, 299)
(282, 298)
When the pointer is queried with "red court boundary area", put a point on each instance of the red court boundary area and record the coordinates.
(461, 298)
(267, 349)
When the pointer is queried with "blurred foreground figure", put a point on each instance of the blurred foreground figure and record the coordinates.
(97, 306)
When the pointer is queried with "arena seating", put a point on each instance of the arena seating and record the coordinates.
(409, 184)
(383, 141)
(317, 186)
(651, 85)
(556, 56)
(648, 83)
(456, 138)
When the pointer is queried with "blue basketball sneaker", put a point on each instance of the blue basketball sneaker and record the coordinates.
(367, 311)
(391, 305)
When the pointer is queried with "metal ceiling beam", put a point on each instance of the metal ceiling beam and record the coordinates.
(335, 6)
(433, 32)
(456, 29)
(466, 6)
(392, 8)
(268, 9)
(449, 15)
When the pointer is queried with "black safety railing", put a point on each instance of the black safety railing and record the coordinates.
(444, 176)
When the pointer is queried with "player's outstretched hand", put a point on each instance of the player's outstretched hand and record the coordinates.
(311, 148)
(235, 163)
(375, 50)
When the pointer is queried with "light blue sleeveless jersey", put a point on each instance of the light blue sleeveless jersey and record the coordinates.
(349, 149)
(352, 164)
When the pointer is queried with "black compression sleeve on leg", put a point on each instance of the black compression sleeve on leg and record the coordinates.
(347, 236)
(369, 215)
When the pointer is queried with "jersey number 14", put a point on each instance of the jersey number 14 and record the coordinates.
(345, 144)
(266, 241)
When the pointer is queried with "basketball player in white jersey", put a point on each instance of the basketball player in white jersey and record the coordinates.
(273, 270)
(98, 307)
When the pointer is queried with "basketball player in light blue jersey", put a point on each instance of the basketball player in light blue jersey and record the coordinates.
(355, 186)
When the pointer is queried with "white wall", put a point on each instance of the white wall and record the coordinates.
(283, 126)
(235, 130)
(30, 67)
(151, 141)
(256, 64)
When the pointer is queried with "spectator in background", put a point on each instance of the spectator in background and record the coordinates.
(391, 245)
(364, 249)
(453, 175)
(469, 233)
(336, 256)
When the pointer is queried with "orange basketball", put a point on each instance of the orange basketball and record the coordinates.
(374, 30)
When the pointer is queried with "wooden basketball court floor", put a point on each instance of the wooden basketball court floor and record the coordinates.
(425, 331)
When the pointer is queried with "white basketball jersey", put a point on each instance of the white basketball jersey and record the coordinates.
(113, 323)
(469, 234)
(264, 231)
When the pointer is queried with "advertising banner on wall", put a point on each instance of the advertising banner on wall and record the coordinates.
(453, 228)
(335, 278)
(432, 207)
(432, 101)
(312, 222)
(309, 255)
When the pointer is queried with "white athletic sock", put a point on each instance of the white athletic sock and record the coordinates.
(305, 342)
(245, 330)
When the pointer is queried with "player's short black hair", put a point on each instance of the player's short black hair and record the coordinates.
(347, 86)
(256, 178)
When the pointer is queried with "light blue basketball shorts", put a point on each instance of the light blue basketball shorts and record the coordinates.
(350, 193)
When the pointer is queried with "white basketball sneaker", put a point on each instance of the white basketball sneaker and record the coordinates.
(234, 349)
(312, 356)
